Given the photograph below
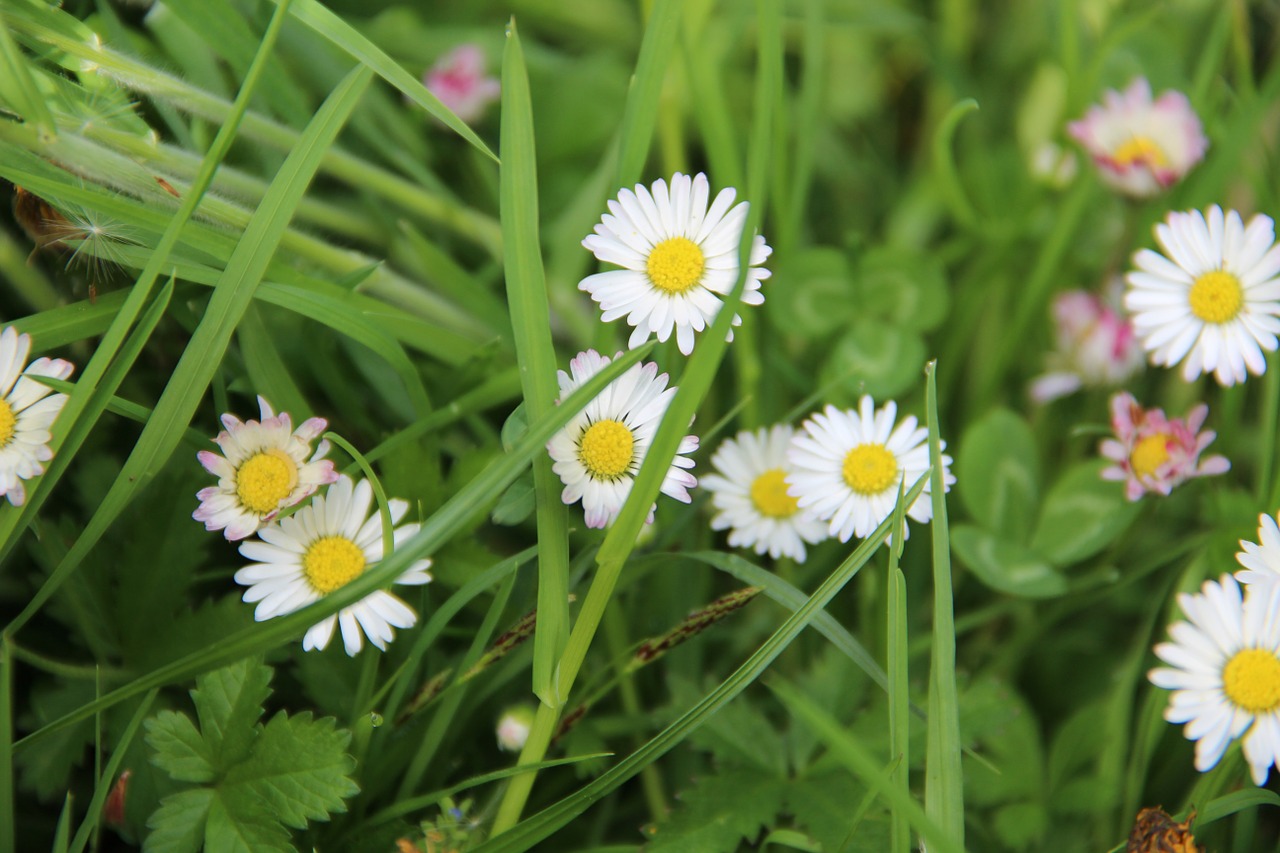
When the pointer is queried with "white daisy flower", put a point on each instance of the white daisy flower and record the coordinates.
(1213, 301)
(846, 467)
(1225, 673)
(27, 409)
(600, 450)
(264, 468)
(749, 492)
(1261, 560)
(678, 259)
(322, 548)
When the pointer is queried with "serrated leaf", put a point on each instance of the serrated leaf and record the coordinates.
(229, 703)
(178, 825)
(1006, 566)
(997, 474)
(825, 804)
(296, 772)
(226, 832)
(719, 812)
(1082, 515)
(179, 749)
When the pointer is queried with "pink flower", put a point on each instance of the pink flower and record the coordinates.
(1154, 453)
(1096, 347)
(1141, 146)
(459, 81)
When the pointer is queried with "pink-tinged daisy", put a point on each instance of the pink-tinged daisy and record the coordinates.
(1096, 347)
(1261, 560)
(266, 466)
(1141, 146)
(459, 81)
(749, 492)
(600, 450)
(1213, 300)
(318, 550)
(677, 256)
(846, 467)
(27, 409)
(1154, 453)
(1224, 671)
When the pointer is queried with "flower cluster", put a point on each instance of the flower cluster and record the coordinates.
(1155, 453)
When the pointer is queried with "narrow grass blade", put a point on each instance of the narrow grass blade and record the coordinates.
(203, 355)
(105, 782)
(434, 532)
(349, 40)
(268, 374)
(944, 164)
(541, 825)
(18, 87)
(860, 762)
(535, 353)
(899, 695)
(641, 111)
(7, 778)
(944, 780)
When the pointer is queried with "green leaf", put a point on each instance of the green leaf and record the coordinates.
(824, 805)
(874, 358)
(1236, 801)
(297, 771)
(1006, 566)
(226, 832)
(516, 503)
(1082, 515)
(906, 288)
(997, 474)
(719, 813)
(229, 703)
(179, 749)
(178, 826)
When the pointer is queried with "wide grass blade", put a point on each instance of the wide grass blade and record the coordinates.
(535, 353)
(641, 112)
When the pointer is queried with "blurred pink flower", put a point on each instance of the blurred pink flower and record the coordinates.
(1154, 453)
(459, 81)
(1141, 146)
(1096, 347)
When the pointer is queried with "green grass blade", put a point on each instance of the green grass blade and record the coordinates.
(18, 87)
(7, 777)
(487, 486)
(531, 323)
(105, 782)
(859, 761)
(348, 39)
(541, 825)
(202, 357)
(268, 374)
(899, 695)
(944, 780)
(641, 112)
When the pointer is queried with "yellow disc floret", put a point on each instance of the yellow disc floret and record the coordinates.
(606, 449)
(1216, 297)
(869, 469)
(1251, 680)
(1149, 454)
(675, 265)
(332, 562)
(769, 495)
(8, 423)
(265, 479)
(1140, 149)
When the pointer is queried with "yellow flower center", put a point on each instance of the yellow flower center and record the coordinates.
(1216, 297)
(1150, 453)
(265, 479)
(769, 494)
(605, 450)
(869, 469)
(332, 562)
(1251, 680)
(8, 423)
(1140, 149)
(675, 265)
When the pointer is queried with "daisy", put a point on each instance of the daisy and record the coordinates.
(1141, 146)
(1213, 301)
(459, 82)
(846, 467)
(322, 548)
(1154, 453)
(1261, 560)
(1096, 346)
(749, 492)
(264, 469)
(599, 451)
(27, 409)
(1225, 673)
(678, 259)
